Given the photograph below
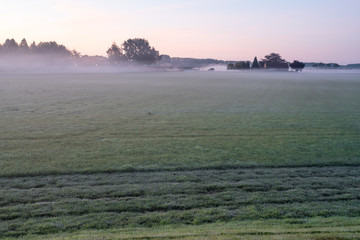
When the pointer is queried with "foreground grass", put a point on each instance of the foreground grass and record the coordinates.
(67, 203)
(215, 155)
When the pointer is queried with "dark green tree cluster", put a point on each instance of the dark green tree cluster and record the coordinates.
(136, 50)
(274, 60)
(255, 64)
(239, 65)
(297, 66)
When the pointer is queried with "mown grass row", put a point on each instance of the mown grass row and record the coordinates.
(63, 203)
(335, 228)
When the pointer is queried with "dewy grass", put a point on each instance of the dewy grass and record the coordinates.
(77, 123)
(193, 150)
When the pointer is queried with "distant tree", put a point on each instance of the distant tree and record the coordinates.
(242, 65)
(139, 50)
(24, 47)
(238, 65)
(52, 48)
(325, 65)
(33, 47)
(297, 66)
(274, 60)
(261, 64)
(23, 44)
(230, 66)
(76, 53)
(115, 54)
(273, 57)
(10, 45)
(165, 58)
(255, 64)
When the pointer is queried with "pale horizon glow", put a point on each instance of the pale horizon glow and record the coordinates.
(322, 30)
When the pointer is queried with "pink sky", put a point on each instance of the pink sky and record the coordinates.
(322, 30)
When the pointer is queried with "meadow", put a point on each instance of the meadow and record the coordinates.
(180, 155)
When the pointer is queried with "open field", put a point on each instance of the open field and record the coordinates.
(187, 155)
(77, 123)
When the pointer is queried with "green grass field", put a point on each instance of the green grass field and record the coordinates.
(182, 155)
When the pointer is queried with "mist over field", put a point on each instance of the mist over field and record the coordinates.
(108, 112)
(30, 64)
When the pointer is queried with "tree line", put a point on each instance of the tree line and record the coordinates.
(271, 61)
(325, 65)
(137, 50)
(10, 46)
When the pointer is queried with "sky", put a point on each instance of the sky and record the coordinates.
(306, 30)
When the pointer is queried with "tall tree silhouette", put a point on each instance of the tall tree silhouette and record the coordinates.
(139, 50)
(24, 47)
(255, 64)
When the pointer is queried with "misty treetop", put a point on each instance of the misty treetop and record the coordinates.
(136, 50)
(115, 54)
(10, 46)
(274, 60)
(44, 56)
(51, 48)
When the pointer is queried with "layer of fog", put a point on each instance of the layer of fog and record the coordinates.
(93, 96)
(48, 63)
